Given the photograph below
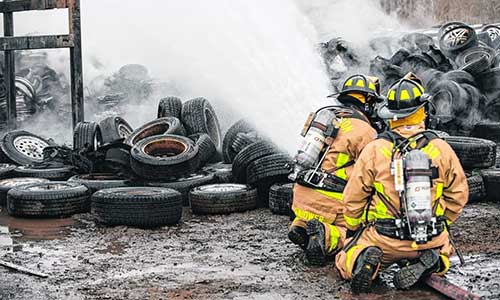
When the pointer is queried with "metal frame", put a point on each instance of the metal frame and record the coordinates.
(73, 41)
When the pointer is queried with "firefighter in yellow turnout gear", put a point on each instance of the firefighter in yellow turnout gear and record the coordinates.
(406, 188)
(333, 143)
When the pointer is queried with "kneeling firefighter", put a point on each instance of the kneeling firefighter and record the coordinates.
(406, 188)
(334, 138)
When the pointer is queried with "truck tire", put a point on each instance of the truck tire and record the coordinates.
(477, 191)
(167, 125)
(199, 117)
(87, 135)
(164, 156)
(54, 199)
(170, 107)
(185, 184)
(142, 207)
(52, 173)
(206, 147)
(491, 179)
(474, 153)
(6, 170)
(247, 156)
(99, 181)
(280, 198)
(222, 198)
(227, 151)
(7, 184)
(114, 128)
(22, 147)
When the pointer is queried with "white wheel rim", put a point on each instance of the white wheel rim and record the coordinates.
(220, 188)
(48, 187)
(123, 131)
(457, 37)
(493, 32)
(30, 146)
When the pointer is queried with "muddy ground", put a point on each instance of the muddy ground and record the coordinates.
(238, 256)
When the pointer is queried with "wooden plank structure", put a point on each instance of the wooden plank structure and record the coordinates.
(73, 41)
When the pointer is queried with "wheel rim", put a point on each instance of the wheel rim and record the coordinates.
(123, 131)
(220, 188)
(165, 147)
(493, 32)
(30, 146)
(48, 187)
(457, 37)
(13, 182)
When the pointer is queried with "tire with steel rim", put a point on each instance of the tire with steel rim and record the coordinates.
(143, 207)
(114, 128)
(164, 156)
(7, 184)
(223, 198)
(167, 125)
(23, 148)
(99, 181)
(456, 39)
(48, 200)
(51, 173)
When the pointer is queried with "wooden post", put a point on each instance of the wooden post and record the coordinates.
(10, 72)
(76, 62)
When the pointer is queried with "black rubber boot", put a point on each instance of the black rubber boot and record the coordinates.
(427, 263)
(315, 251)
(365, 267)
(298, 236)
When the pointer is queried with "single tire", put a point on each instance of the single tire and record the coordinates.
(87, 135)
(222, 198)
(206, 147)
(199, 117)
(441, 134)
(167, 125)
(456, 97)
(280, 198)
(170, 107)
(248, 155)
(473, 153)
(477, 191)
(491, 179)
(487, 130)
(185, 184)
(22, 147)
(268, 167)
(244, 139)
(430, 78)
(460, 77)
(400, 56)
(223, 172)
(7, 184)
(6, 170)
(489, 80)
(114, 128)
(476, 60)
(228, 152)
(493, 32)
(457, 39)
(48, 200)
(143, 207)
(99, 181)
(164, 156)
(52, 173)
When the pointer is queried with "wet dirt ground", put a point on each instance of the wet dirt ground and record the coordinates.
(238, 256)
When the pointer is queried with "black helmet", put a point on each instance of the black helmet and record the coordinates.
(404, 97)
(369, 86)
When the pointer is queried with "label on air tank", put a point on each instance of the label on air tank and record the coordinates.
(418, 195)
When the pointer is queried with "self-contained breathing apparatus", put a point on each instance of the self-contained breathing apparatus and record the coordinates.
(324, 123)
(413, 173)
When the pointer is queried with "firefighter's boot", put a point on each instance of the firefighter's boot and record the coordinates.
(315, 250)
(427, 263)
(298, 236)
(365, 269)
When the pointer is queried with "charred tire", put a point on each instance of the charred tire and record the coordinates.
(477, 191)
(222, 198)
(453, 93)
(400, 56)
(199, 117)
(6, 170)
(143, 207)
(185, 184)
(473, 153)
(52, 173)
(223, 172)
(491, 179)
(490, 80)
(170, 107)
(476, 60)
(247, 156)
(242, 140)
(280, 198)
(206, 147)
(487, 130)
(493, 32)
(227, 150)
(441, 134)
(460, 77)
(87, 135)
(99, 181)
(114, 128)
(22, 147)
(164, 156)
(48, 200)
(7, 184)
(430, 78)
(167, 125)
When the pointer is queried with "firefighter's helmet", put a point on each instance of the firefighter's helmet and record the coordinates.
(404, 97)
(366, 85)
